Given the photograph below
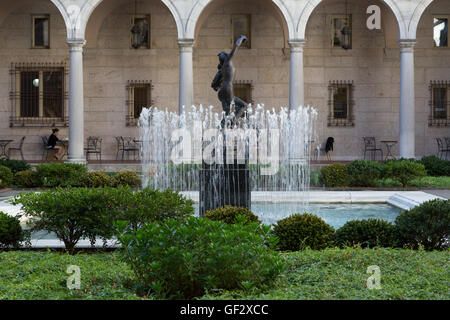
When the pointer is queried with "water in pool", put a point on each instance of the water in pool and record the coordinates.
(335, 215)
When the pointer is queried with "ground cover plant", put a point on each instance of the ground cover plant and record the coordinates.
(327, 274)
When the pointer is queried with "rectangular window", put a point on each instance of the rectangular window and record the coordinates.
(140, 34)
(241, 25)
(38, 96)
(341, 31)
(440, 104)
(340, 103)
(139, 93)
(41, 31)
(440, 32)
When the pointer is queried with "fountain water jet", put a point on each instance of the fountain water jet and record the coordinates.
(275, 145)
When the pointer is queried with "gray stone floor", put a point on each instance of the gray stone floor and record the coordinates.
(440, 193)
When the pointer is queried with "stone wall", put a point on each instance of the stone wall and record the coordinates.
(373, 64)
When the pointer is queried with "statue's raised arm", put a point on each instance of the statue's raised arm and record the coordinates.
(237, 44)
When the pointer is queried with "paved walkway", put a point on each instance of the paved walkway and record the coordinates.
(440, 193)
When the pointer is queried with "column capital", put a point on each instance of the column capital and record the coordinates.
(407, 45)
(296, 44)
(185, 43)
(76, 44)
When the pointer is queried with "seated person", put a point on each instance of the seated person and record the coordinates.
(51, 144)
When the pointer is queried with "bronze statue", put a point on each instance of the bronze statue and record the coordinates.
(223, 81)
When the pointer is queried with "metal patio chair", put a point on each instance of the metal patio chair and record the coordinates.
(130, 146)
(17, 148)
(94, 146)
(370, 146)
(442, 149)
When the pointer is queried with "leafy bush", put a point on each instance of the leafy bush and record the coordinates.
(364, 173)
(11, 233)
(183, 259)
(96, 179)
(148, 205)
(61, 174)
(6, 177)
(334, 175)
(436, 166)
(404, 171)
(229, 214)
(71, 213)
(368, 233)
(126, 178)
(300, 231)
(15, 165)
(27, 179)
(427, 225)
(75, 213)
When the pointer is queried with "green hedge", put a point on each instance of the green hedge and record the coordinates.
(427, 225)
(75, 213)
(367, 233)
(301, 231)
(229, 214)
(96, 179)
(61, 174)
(15, 165)
(334, 175)
(183, 259)
(11, 234)
(364, 173)
(435, 166)
(6, 177)
(404, 171)
(27, 179)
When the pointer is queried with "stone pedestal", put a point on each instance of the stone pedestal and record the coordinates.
(224, 184)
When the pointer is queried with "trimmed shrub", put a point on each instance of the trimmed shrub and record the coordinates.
(96, 179)
(301, 231)
(367, 233)
(184, 259)
(11, 233)
(126, 178)
(427, 225)
(364, 173)
(148, 205)
(229, 214)
(27, 179)
(61, 174)
(15, 165)
(435, 166)
(404, 171)
(75, 213)
(71, 213)
(334, 175)
(6, 177)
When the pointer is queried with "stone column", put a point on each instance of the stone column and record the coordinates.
(296, 80)
(407, 98)
(76, 102)
(186, 82)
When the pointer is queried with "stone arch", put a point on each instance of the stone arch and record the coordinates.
(417, 15)
(310, 5)
(98, 16)
(194, 20)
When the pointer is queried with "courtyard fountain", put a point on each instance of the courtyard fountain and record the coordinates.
(275, 148)
(226, 155)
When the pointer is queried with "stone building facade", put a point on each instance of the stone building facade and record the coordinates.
(392, 79)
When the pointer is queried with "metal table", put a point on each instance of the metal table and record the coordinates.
(3, 145)
(389, 144)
